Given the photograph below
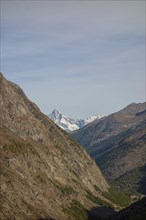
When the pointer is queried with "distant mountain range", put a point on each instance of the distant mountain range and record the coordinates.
(118, 145)
(69, 124)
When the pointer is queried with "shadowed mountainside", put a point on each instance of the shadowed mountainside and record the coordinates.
(137, 211)
(117, 143)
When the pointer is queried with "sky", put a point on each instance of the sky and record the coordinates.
(82, 57)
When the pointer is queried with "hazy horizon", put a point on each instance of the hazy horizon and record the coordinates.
(83, 58)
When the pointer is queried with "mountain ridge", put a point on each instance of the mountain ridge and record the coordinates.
(117, 143)
(68, 124)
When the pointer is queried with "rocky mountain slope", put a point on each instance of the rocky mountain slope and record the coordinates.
(44, 173)
(69, 124)
(117, 143)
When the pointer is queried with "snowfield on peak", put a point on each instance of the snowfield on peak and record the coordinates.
(69, 124)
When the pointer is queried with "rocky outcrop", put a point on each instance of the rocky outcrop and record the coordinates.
(44, 173)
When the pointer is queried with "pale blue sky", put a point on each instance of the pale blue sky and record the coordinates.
(82, 57)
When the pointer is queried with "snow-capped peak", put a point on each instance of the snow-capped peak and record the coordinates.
(69, 124)
(55, 114)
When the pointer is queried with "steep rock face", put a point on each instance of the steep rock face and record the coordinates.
(117, 143)
(44, 173)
